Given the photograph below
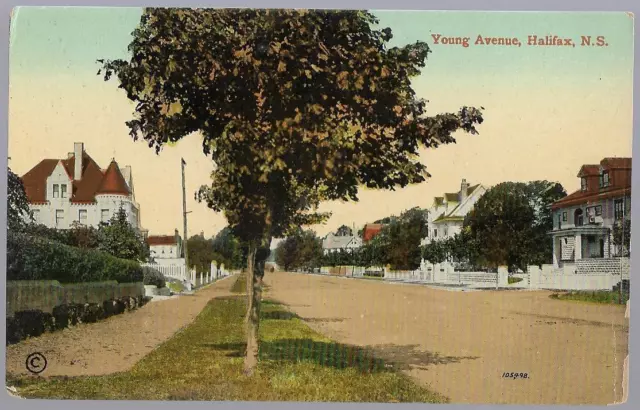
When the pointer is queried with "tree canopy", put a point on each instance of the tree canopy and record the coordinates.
(303, 249)
(118, 238)
(344, 230)
(509, 224)
(18, 211)
(294, 107)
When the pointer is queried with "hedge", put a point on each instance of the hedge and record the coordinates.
(34, 258)
(153, 277)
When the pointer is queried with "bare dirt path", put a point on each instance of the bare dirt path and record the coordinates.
(117, 343)
(460, 343)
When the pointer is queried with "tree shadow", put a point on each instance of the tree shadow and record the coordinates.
(338, 355)
(328, 354)
(407, 357)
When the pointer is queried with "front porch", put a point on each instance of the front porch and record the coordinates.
(583, 242)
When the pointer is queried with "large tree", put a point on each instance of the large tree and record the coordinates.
(303, 249)
(509, 224)
(344, 230)
(228, 249)
(18, 211)
(402, 237)
(294, 107)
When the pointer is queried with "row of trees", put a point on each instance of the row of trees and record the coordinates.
(397, 245)
(224, 248)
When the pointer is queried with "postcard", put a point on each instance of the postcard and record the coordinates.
(319, 205)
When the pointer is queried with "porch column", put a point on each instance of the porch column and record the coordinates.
(578, 247)
(556, 249)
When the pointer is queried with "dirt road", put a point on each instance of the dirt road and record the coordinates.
(115, 344)
(461, 343)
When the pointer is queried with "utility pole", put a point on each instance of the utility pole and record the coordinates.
(184, 216)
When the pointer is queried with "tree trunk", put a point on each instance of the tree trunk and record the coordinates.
(255, 272)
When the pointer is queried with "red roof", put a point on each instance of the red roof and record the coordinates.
(589, 170)
(586, 197)
(621, 188)
(161, 240)
(113, 181)
(83, 190)
(370, 231)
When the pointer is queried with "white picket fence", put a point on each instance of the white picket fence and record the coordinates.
(190, 277)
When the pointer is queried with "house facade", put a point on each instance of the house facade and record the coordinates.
(334, 243)
(446, 215)
(62, 192)
(583, 221)
(166, 249)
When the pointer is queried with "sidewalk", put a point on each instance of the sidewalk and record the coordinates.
(117, 343)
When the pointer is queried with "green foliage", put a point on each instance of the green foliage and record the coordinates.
(594, 296)
(509, 224)
(300, 250)
(33, 258)
(118, 238)
(18, 211)
(201, 253)
(401, 239)
(228, 249)
(344, 230)
(292, 110)
(512, 279)
(153, 277)
(622, 236)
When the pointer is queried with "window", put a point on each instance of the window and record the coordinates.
(104, 215)
(82, 216)
(36, 215)
(618, 209)
(63, 191)
(56, 190)
(598, 210)
(578, 217)
(564, 217)
(446, 231)
(584, 184)
(604, 179)
(59, 217)
(559, 222)
(435, 233)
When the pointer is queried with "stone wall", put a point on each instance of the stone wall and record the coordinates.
(612, 266)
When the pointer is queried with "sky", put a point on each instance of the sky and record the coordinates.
(548, 109)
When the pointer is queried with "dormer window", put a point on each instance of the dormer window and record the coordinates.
(584, 183)
(604, 179)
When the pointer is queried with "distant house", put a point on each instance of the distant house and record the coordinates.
(447, 213)
(166, 249)
(583, 221)
(75, 189)
(334, 243)
(370, 231)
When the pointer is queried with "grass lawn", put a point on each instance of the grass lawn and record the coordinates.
(240, 285)
(597, 296)
(511, 280)
(175, 287)
(204, 362)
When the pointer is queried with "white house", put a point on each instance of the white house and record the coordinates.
(334, 243)
(446, 215)
(75, 189)
(166, 249)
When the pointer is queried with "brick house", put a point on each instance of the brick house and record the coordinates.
(583, 221)
(75, 189)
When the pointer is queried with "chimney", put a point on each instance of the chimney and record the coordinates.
(78, 149)
(464, 186)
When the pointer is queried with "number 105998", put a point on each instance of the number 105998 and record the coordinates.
(512, 375)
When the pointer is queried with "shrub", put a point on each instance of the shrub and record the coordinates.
(33, 258)
(153, 277)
